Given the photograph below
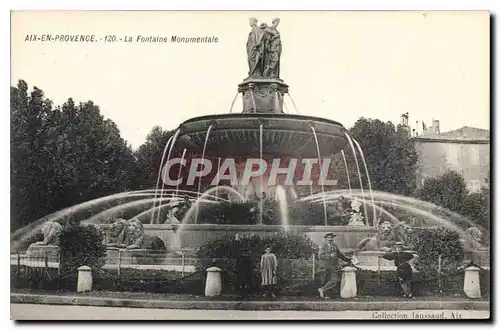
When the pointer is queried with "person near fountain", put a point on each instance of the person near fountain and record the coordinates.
(330, 254)
(403, 268)
(268, 269)
(244, 272)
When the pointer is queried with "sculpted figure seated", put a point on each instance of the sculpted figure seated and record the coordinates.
(129, 234)
(382, 241)
(50, 231)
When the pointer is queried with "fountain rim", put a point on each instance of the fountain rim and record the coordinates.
(258, 115)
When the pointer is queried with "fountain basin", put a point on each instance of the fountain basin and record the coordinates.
(195, 235)
(282, 134)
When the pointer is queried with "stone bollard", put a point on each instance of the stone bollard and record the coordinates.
(472, 287)
(84, 279)
(213, 285)
(348, 287)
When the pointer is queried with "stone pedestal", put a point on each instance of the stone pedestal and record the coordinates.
(40, 251)
(84, 279)
(262, 95)
(213, 285)
(472, 287)
(348, 287)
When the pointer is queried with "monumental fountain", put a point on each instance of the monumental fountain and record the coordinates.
(168, 216)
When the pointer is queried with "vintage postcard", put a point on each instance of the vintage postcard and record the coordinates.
(250, 165)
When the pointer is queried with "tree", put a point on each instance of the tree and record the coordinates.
(476, 206)
(390, 157)
(30, 115)
(447, 190)
(63, 156)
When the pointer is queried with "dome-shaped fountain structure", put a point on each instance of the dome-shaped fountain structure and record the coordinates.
(279, 134)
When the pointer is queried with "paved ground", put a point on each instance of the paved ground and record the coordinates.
(51, 312)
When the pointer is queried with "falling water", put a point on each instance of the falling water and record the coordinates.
(253, 101)
(22, 234)
(113, 212)
(159, 172)
(232, 103)
(285, 106)
(179, 174)
(408, 204)
(283, 205)
(277, 101)
(217, 175)
(367, 178)
(261, 211)
(195, 206)
(293, 194)
(321, 170)
(161, 165)
(359, 174)
(335, 195)
(202, 158)
(347, 172)
(296, 110)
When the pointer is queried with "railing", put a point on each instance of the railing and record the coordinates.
(180, 273)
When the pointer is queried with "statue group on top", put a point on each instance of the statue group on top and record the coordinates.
(264, 50)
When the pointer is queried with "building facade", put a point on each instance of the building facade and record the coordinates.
(465, 150)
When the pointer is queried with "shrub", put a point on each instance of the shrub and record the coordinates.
(476, 207)
(430, 243)
(448, 190)
(81, 245)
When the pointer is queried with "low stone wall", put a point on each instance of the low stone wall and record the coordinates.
(194, 236)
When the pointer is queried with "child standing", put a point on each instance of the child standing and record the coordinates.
(268, 268)
(403, 268)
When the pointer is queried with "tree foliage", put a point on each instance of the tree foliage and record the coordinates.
(438, 241)
(390, 157)
(476, 206)
(62, 156)
(148, 158)
(447, 190)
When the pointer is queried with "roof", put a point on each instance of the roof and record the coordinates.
(463, 134)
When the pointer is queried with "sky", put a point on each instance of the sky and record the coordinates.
(339, 65)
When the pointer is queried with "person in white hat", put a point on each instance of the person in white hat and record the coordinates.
(403, 268)
(330, 253)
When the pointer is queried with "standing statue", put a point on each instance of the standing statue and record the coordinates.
(272, 50)
(264, 50)
(255, 50)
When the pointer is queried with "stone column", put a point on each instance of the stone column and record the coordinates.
(472, 287)
(213, 284)
(84, 279)
(348, 287)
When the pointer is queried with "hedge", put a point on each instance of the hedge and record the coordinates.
(298, 272)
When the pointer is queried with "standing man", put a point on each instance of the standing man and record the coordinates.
(330, 253)
(403, 268)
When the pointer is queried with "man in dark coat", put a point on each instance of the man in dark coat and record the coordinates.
(330, 254)
(403, 268)
(244, 272)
